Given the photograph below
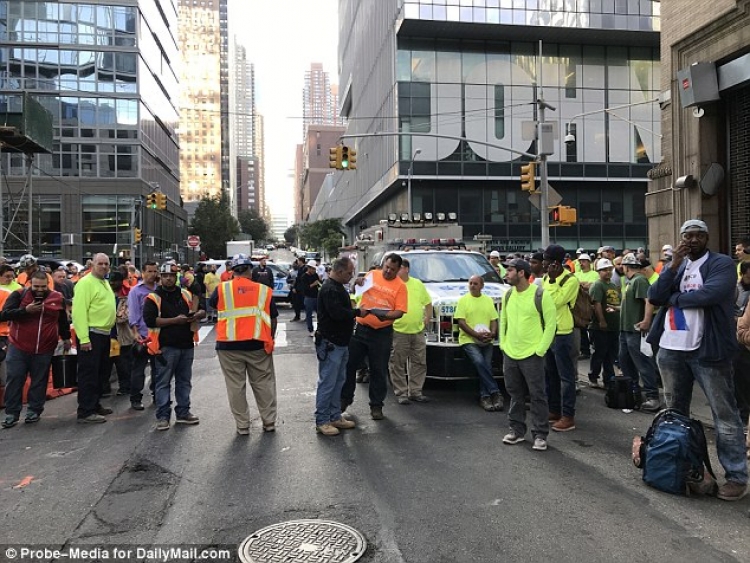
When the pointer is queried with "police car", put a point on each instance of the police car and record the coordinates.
(281, 290)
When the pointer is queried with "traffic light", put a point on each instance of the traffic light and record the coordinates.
(151, 201)
(563, 216)
(334, 160)
(345, 158)
(161, 200)
(528, 177)
(137, 235)
(352, 159)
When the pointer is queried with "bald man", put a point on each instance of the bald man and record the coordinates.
(94, 313)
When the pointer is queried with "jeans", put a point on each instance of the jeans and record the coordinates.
(93, 368)
(561, 376)
(178, 364)
(633, 362)
(18, 365)
(481, 357)
(124, 365)
(138, 376)
(679, 370)
(741, 366)
(311, 305)
(521, 375)
(605, 351)
(375, 345)
(331, 378)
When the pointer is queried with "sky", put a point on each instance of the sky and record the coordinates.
(282, 39)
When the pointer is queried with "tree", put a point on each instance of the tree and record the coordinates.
(322, 235)
(213, 222)
(254, 225)
(291, 234)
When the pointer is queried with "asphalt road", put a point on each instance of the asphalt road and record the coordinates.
(432, 483)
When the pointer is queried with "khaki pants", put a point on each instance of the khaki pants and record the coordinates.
(411, 347)
(257, 367)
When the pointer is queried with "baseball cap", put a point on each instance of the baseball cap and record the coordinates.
(694, 225)
(631, 260)
(600, 250)
(537, 256)
(584, 256)
(519, 264)
(494, 254)
(608, 248)
(603, 264)
(555, 253)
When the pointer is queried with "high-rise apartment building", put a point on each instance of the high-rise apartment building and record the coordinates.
(319, 99)
(204, 102)
(259, 147)
(105, 71)
(473, 73)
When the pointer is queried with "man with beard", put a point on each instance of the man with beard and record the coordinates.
(697, 340)
(37, 320)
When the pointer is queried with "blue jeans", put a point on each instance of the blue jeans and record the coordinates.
(332, 361)
(481, 357)
(679, 370)
(18, 364)
(561, 376)
(375, 345)
(311, 305)
(177, 364)
(633, 362)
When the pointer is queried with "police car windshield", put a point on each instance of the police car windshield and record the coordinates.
(435, 267)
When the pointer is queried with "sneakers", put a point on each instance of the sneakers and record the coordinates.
(732, 491)
(651, 405)
(553, 417)
(376, 413)
(565, 424)
(104, 410)
(31, 417)
(92, 419)
(162, 424)
(243, 431)
(327, 429)
(343, 424)
(540, 444)
(136, 406)
(497, 402)
(10, 421)
(403, 400)
(269, 427)
(189, 418)
(419, 398)
(512, 438)
(486, 404)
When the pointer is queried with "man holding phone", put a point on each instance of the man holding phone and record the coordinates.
(169, 313)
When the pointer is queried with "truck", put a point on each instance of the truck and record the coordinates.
(245, 247)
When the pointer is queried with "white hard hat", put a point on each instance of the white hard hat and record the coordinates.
(584, 257)
(312, 264)
(494, 254)
(603, 264)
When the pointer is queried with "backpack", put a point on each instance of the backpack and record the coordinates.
(620, 393)
(537, 301)
(674, 455)
(583, 307)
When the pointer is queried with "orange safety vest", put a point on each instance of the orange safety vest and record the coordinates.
(153, 346)
(244, 312)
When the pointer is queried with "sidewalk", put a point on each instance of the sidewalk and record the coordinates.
(699, 405)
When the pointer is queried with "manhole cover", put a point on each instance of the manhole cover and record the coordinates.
(319, 541)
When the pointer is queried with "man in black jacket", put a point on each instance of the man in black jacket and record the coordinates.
(335, 326)
(262, 273)
(170, 309)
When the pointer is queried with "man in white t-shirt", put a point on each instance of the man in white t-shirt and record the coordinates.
(697, 340)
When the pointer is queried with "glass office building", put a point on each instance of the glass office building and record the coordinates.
(107, 75)
(471, 72)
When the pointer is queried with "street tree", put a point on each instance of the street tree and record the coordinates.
(322, 235)
(254, 225)
(291, 234)
(214, 223)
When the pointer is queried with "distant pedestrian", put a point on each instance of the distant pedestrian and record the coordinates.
(94, 314)
(37, 320)
(310, 284)
(245, 335)
(605, 326)
(262, 273)
(477, 318)
(697, 340)
(526, 333)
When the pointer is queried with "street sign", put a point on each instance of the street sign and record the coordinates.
(553, 198)
(194, 241)
(482, 237)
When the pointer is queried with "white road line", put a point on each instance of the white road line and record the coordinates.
(203, 332)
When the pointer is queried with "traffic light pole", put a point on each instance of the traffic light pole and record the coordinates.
(543, 183)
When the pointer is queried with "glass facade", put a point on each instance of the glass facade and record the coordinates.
(105, 73)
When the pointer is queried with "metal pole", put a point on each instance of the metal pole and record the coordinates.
(544, 186)
(408, 181)
(29, 162)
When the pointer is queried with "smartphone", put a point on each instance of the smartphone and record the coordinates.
(190, 314)
(38, 300)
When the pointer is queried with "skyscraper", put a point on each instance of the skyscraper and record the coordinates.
(319, 99)
(204, 103)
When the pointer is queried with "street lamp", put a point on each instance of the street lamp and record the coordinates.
(570, 138)
(408, 179)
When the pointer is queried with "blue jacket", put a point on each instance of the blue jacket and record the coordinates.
(719, 273)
